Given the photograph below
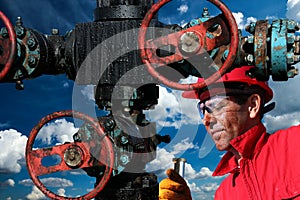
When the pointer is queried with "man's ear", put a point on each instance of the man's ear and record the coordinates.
(254, 105)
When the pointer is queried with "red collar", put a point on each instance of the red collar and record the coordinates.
(246, 144)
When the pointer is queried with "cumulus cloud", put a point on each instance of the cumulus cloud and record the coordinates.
(35, 194)
(287, 109)
(164, 159)
(61, 192)
(209, 187)
(190, 173)
(49, 182)
(274, 123)
(173, 110)
(88, 92)
(241, 21)
(8, 183)
(183, 146)
(60, 129)
(239, 18)
(293, 7)
(183, 9)
(162, 162)
(10, 157)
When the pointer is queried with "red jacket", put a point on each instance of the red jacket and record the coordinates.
(269, 170)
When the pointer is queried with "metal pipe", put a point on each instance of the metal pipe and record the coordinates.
(179, 165)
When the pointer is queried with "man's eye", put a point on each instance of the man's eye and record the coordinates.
(219, 107)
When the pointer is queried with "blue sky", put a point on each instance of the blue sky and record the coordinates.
(21, 110)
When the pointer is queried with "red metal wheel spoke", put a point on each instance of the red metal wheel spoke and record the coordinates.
(4, 55)
(9, 46)
(36, 157)
(68, 160)
(200, 41)
(216, 41)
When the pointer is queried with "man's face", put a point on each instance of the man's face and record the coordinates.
(224, 119)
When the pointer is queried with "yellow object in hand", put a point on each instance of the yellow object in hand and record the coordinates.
(174, 187)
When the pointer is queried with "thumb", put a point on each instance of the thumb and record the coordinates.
(174, 176)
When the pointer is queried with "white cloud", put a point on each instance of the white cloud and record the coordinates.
(287, 109)
(183, 9)
(203, 192)
(164, 159)
(173, 110)
(12, 151)
(183, 146)
(241, 22)
(88, 92)
(209, 187)
(194, 188)
(162, 162)
(61, 192)
(274, 123)
(239, 18)
(250, 19)
(61, 130)
(49, 182)
(190, 173)
(35, 194)
(197, 193)
(8, 182)
(293, 7)
(56, 182)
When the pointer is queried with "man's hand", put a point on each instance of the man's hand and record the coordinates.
(174, 187)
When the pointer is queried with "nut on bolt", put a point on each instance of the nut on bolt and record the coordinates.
(31, 43)
(31, 61)
(124, 159)
(20, 31)
(124, 140)
(249, 59)
(189, 42)
(73, 156)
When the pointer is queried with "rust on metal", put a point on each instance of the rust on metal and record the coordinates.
(228, 35)
(34, 156)
(260, 43)
(9, 57)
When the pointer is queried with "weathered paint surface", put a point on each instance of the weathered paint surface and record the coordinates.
(35, 156)
(8, 47)
(229, 35)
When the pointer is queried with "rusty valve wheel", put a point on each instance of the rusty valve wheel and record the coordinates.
(73, 155)
(189, 42)
(8, 46)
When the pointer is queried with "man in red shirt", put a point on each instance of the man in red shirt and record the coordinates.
(261, 166)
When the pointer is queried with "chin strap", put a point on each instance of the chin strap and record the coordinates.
(268, 107)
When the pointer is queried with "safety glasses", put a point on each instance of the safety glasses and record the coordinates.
(213, 105)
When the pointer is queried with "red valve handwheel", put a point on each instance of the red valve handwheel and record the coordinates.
(9, 47)
(148, 48)
(34, 156)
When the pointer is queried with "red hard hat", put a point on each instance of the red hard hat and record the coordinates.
(226, 84)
